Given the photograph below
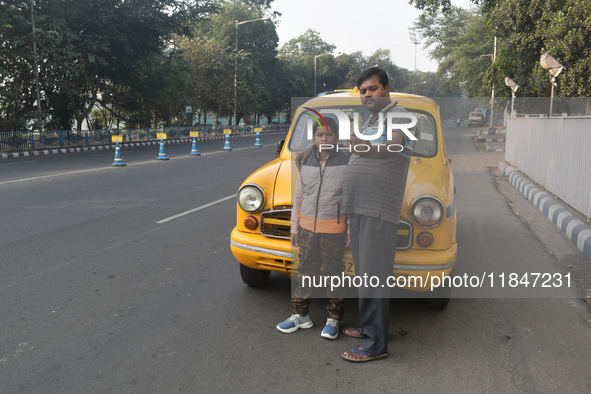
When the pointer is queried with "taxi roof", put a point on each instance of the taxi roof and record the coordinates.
(347, 97)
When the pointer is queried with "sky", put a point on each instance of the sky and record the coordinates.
(354, 25)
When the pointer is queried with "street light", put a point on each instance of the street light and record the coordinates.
(315, 57)
(266, 19)
(415, 41)
(554, 68)
(509, 82)
(493, 57)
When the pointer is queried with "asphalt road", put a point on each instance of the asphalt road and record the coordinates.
(99, 292)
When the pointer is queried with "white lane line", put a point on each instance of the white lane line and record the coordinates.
(195, 209)
(49, 176)
(15, 163)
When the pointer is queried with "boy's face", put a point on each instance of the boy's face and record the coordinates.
(325, 136)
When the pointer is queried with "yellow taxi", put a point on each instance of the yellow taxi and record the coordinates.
(426, 242)
(476, 119)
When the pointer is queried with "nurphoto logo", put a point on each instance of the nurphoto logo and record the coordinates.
(402, 121)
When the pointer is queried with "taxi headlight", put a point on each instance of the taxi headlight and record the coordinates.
(251, 198)
(427, 211)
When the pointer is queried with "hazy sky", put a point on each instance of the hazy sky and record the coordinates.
(358, 26)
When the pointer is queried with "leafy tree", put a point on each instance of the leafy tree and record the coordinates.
(210, 75)
(462, 45)
(254, 44)
(529, 28)
(85, 46)
(308, 43)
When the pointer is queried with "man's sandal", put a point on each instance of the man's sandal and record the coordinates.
(353, 332)
(371, 355)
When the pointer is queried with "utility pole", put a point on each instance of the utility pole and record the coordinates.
(492, 97)
(36, 69)
(238, 23)
(415, 41)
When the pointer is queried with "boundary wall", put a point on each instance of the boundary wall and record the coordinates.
(555, 153)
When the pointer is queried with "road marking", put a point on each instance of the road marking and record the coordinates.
(195, 209)
(49, 176)
(15, 163)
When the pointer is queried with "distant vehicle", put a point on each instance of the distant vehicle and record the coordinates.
(475, 119)
(458, 121)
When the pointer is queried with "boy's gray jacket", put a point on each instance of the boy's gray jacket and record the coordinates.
(322, 193)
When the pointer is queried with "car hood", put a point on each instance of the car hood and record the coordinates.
(422, 176)
(287, 175)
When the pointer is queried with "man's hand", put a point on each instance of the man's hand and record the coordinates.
(375, 151)
(302, 157)
(294, 239)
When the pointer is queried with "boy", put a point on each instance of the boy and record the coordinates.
(319, 228)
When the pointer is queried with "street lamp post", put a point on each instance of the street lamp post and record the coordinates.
(492, 95)
(554, 68)
(509, 82)
(315, 57)
(266, 19)
(415, 41)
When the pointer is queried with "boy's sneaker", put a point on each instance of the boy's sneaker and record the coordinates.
(331, 330)
(294, 322)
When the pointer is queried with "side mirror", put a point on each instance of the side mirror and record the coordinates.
(279, 147)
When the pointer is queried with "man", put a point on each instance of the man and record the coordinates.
(373, 191)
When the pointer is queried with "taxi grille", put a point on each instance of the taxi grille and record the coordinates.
(404, 239)
(277, 224)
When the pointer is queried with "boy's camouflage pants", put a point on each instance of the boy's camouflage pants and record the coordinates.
(319, 254)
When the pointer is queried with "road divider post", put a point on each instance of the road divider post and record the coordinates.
(118, 162)
(257, 141)
(227, 146)
(162, 151)
(194, 150)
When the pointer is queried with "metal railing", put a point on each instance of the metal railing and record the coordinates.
(20, 141)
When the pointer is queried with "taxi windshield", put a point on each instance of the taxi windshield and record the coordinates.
(425, 130)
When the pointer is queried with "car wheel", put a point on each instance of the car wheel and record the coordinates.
(440, 299)
(254, 277)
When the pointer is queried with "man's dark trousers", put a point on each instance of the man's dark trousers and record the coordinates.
(373, 243)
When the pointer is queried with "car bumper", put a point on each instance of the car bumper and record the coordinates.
(419, 267)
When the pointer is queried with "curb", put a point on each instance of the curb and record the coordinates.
(489, 148)
(576, 231)
(490, 132)
(127, 145)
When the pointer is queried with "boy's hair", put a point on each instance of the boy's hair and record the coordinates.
(329, 122)
(370, 72)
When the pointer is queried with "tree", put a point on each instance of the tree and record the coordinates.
(210, 74)
(460, 42)
(529, 28)
(85, 46)
(525, 29)
(308, 43)
(254, 44)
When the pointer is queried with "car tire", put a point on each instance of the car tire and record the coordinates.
(441, 297)
(254, 277)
